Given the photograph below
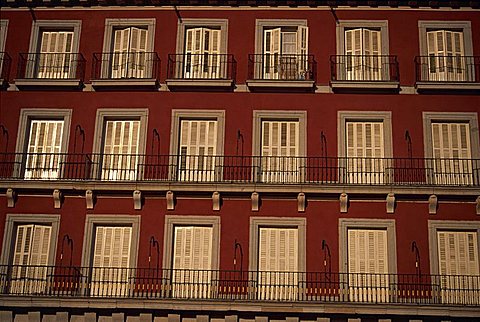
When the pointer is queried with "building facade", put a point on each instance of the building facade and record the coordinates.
(239, 160)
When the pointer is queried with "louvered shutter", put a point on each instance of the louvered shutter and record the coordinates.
(363, 54)
(55, 55)
(445, 49)
(452, 153)
(211, 51)
(198, 145)
(302, 51)
(43, 148)
(193, 52)
(372, 50)
(120, 150)
(271, 53)
(121, 44)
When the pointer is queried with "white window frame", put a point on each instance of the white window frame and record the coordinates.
(9, 235)
(187, 23)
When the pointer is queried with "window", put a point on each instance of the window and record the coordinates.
(362, 51)
(44, 142)
(368, 254)
(282, 50)
(454, 253)
(280, 143)
(32, 240)
(191, 254)
(450, 142)
(201, 49)
(121, 143)
(53, 49)
(128, 48)
(277, 254)
(446, 49)
(3, 56)
(199, 145)
(365, 141)
(110, 250)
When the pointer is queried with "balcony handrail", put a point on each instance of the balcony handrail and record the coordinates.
(445, 68)
(126, 65)
(201, 66)
(51, 66)
(287, 286)
(282, 67)
(364, 68)
(241, 169)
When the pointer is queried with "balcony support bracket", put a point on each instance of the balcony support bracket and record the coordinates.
(391, 203)
(302, 201)
(343, 202)
(137, 200)
(170, 200)
(217, 200)
(12, 196)
(57, 199)
(90, 199)
(255, 201)
(478, 205)
(432, 205)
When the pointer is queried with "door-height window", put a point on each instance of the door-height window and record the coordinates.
(368, 265)
(30, 259)
(363, 50)
(280, 144)
(285, 52)
(445, 50)
(129, 53)
(192, 261)
(365, 152)
(278, 263)
(44, 145)
(452, 153)
(201, 53)
(111, 261)
(120, 149)
(55, 57)
(197, 150)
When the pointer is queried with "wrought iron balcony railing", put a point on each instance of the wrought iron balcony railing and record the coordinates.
(461, 69)
(201, 66)
(126, 65)
(5, 63)
(241, 169)
(368, 68)
(51, 66)
(108, 282)
(286, 67)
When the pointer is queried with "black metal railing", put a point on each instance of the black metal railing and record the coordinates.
(371, 68)
(51, 66)
(126, 65)
(108, 282)
(5, 63)
(462, 69)
(201, 66)
(245, 169)
(286, 67)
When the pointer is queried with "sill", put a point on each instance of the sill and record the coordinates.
(199, 84)
(130, 83)
(364, 86)
(454, 87)
(289, 85)
(43, 83)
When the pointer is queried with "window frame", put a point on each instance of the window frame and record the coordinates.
(57, 25)
(464, 25)
(261, 24)
(92, 221)
(184, 24)
(9, 236)
(343, 25)
(186, 220)
(447, 225)
(276, 222)
(111, 24)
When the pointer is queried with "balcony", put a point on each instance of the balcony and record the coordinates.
(250, 286)
(270, 72)
(201, 71)
(58, 70)
(333, 171)
(5, 63)
(364, 73)
(126, 70)
(445, 73)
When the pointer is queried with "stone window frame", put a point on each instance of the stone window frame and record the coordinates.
(342, 25)
(111, 24)
(187, 23)
(465, 26)
(37, 26)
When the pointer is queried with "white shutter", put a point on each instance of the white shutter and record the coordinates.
(353, 52)
(121, 43)
(193, 52)
(302, 50)
(211, 51)
(445, 49)
(198, 145)
(457, 253)
(137, 53)
(120, 149)
(271, 53)
(43, 148)
(55, 49)
(364, 45)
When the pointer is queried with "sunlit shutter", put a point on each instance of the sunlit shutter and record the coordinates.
(193, 248)
(365, 139)
(32, 245)
(138, 48)
(271, 51)
(194, 45)
(280, 138)
(457, 253)
(211, 50)
(302, 50)
(451, 140)
(112, 247)
(367, 251)
(55, 49)
(278, 249)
